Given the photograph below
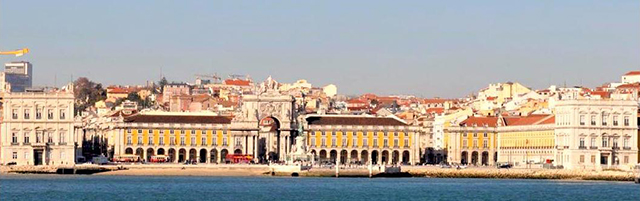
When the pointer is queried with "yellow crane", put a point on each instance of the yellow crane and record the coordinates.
(16, 52)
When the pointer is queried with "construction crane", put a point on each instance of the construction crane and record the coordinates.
(216, 79)
(16, 52)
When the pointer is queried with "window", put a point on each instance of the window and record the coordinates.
(593, 159)
(581, 142)
(475, 134)
(395, 142)
(581, 158)
(63, 113)
(625, 142)
(605, 142)
(214, 141)
(26, 114)
(38, 113)
(150, 131)
(485, 135)
(475, 143)
(593, 142)
(626, 120)
(615, 143)
(14, 114)
(313, 142)
(238, 141)
(354, 142)
(182, 140)
(172, 140)
(150, 140)
(385, 143)
(582, 120)
(139, 139)
(395, 134)
(62, 138)
(593, 120)
(464, 143)
(171, 131)
(365, 142)
(15, 155)
(344, 140)
(128, 130)
(323, 142)
(14, 138)
(615, 120)
(203, 141)
(49, 114)
(626, 159)
(375, 142)
(193, 132)
(224, 140)
(604, 119)
(161, 139)
(193, 140)
(485, 144)
(26, 138)
(49, 137)
(139, 131)
(39, 136)
(129, 140)
(406, 142)
(464, 135)
(161, 132)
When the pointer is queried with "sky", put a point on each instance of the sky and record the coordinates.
(425, 48)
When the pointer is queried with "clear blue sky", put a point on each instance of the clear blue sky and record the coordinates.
(425, 48)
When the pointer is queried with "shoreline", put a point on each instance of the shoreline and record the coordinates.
(407, 171)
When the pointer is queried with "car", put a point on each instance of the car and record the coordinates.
(445, 166)
(11, 163)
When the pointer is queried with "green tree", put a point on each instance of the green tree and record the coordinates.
(162, 82)
(87, 93)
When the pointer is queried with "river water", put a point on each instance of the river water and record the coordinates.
(79, 187)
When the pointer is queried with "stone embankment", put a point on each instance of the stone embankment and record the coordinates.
(521, 174)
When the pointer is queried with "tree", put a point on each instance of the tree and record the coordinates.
(162, 82)
(87, 93)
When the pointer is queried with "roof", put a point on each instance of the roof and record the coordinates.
(237, 82)
(480, 121)
(354, 121)
(531, 120)
(633, 73)
(185, 119)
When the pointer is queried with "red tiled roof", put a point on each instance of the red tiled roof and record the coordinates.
(354, 121)
(603, 94)
(237, 82)
(433, 100)
(633, 73)
(629, 86)
(531, 120)
(437, 110)
(185, 119)
(480, 121)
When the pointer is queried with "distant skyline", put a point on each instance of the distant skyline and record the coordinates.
(443, 49)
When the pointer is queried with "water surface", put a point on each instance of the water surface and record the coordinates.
(64, 187)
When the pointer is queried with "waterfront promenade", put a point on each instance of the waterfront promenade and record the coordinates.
(266, 170)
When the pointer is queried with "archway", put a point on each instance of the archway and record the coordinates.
(323, 155)
(150, 153)
(344, 156)
(364, 157)
(140, 152)
(333, 156)
(172, 155)
(495, 157)
(214, 156)
(182, 154)
(192, 155)
(474, 158)
(485, 158)
(395, 157)
(270, 126)
(314, 155)
(354, 156)
(203, 156)
(161, 151)
(128, 151)
(374, 157)
(385, 157)
(405, 157)
(223, 156)
(464, 158)
(237, 151)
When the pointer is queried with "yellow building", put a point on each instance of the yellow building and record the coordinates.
(360, 139)
(473, 141)
(202, 138)
(530, 138)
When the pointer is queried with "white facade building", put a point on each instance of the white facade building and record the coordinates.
(38, 128)
(596, 134)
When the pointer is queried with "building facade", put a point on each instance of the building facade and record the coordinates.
(529, 138)
(348, 139)
(17, 76)
(38, 128)
(596, 134)
(473, 141)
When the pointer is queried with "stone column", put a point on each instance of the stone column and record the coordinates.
(218, 153)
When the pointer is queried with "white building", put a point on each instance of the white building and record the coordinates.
(631, 77)
(596, 134)
(38, 128)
